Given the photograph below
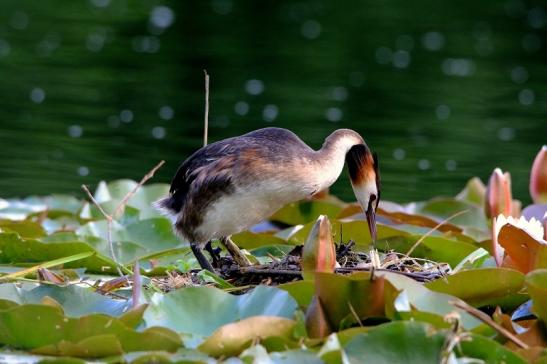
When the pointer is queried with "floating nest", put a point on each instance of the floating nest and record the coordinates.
(349, 261)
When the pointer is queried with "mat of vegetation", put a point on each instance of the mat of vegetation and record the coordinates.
(433, 288)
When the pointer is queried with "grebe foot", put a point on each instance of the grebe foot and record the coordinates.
(236, 253)
(215, 253)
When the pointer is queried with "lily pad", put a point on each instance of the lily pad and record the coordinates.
(18, 250)
(536, 282)
(411, 296)
(178, 310)
(484, 287)
(397, 342)
(44, 329)
(305, 211)
(232, 338)
(76, 301)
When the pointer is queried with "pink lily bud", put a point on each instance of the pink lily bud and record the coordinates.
(318, 254)
(498, 198)
(538, 177)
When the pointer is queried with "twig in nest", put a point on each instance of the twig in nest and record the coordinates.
(433, 230)
(347, 247)
(118, 209)
(206, 118)
(282, 272)
(488, 320)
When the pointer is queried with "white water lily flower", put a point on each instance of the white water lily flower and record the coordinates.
(533, 227)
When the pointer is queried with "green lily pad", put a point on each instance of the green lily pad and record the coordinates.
(25, 228)
(350, 230)
(259, 354)
(16, 250)
(76, 301)
(349, 297)
(305, 211)
(178, 310)
(142, 200)
(484, 287)
(410, 296)
(483, 348)
(443, 208)
(250, 240)
(301, 291)
(415, 342)
(435, 248)
(397, 342)
(536, 282)
(44, 329)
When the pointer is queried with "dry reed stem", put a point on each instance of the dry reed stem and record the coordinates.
(118, 209)
(488, 320)
(130, 194)
(137, 284)
(433, 230)
(206, 117)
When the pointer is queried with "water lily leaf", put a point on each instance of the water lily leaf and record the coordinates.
(397, 342)
(352, 297)
(231, 339)
(22, 357)
(301, 291)
(412, 296)
(484, 287)
(526, 252)
(183, 355)
(475, 260)
(21, 209)
(536, 282)
(432, 247)
(25, 228)
(45, 330)
(473, 192)
(250, 240)
(488, 350)
(259, 354)
(142, 200)
(153, 234)
(178, 310)
(443, 208)
(18, 250)
(350, 230)
(76, 301)
(305, 211)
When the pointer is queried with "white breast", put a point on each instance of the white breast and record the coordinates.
(245, 207)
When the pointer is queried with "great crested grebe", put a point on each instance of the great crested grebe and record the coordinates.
(228, 186)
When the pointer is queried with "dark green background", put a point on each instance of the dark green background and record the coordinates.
(388, 69)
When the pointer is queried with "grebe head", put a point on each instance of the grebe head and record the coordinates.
(365, 180)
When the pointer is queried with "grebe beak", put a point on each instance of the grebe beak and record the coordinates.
(370, 213)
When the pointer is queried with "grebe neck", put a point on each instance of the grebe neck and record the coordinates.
(330, 158)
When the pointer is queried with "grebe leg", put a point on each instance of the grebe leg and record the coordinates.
(235, 252)
(202, 260)
(215, 253)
